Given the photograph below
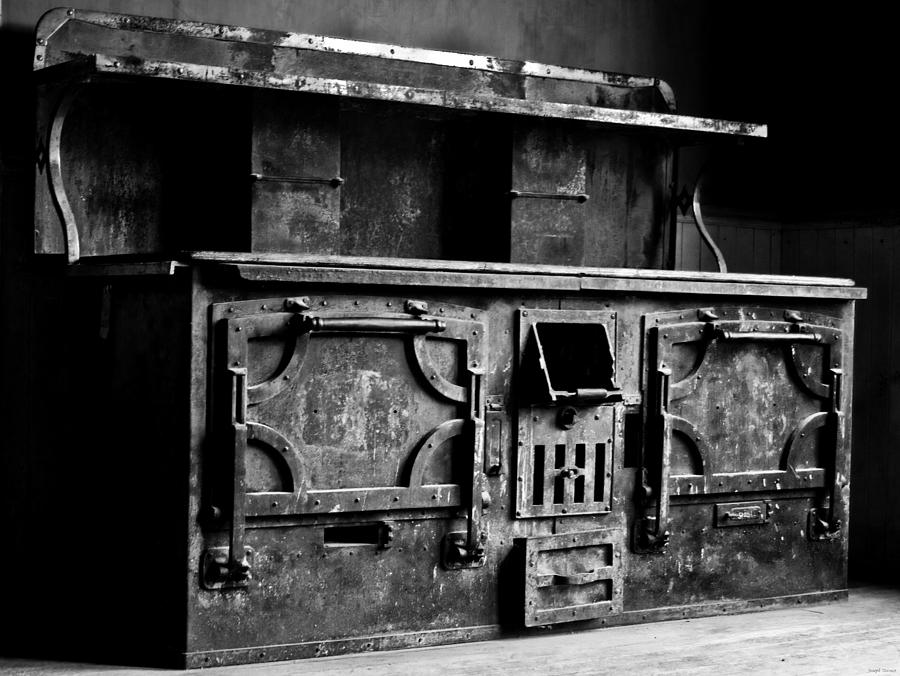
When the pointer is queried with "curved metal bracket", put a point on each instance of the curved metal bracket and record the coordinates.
(423, 363)
(283, 453)
(295, 354)
(472, 332)
(808, 425)
(701, 226)
(55, 177)
(804, 375)
(429, 445)
(695, 440)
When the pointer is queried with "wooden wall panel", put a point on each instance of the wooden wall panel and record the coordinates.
(748, 245)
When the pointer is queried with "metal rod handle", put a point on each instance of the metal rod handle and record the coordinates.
(590, 395)
(577, 197)
(334, 181)
(769, 336)
(374, 324)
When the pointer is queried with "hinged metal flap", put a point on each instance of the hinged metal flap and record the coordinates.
(572, 576)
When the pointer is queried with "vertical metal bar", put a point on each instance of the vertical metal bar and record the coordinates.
(236, 555)
(550, 474)
(476, 406)
(837, 421)
(569, 483)
(662, 500)
(590, 472)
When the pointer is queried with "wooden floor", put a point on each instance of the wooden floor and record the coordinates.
(861, 636)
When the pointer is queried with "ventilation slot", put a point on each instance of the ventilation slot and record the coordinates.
(559, 482)
(565, 479)
(537, 484)
(599, 472)
(353, 536)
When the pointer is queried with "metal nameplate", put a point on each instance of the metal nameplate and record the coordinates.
(742, 513)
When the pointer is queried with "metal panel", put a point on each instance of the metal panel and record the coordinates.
(334, 412)
(779, 427)
(566, 391)
(572, 576)
(295, 175)
(586, 197)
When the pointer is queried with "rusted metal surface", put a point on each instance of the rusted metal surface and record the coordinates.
(284, 49)
(295, 178)
(377, 176)
(746, 423)
(372, 445)
(757, 518)
(625, 179)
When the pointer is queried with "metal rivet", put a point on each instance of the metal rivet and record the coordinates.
(317, 502)
(39, 57)
(115, 64)
(263, 307)
(71, 12)
(389, 303)
(285, 449)
(238, 329)
(324, 302)
(524, 313)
